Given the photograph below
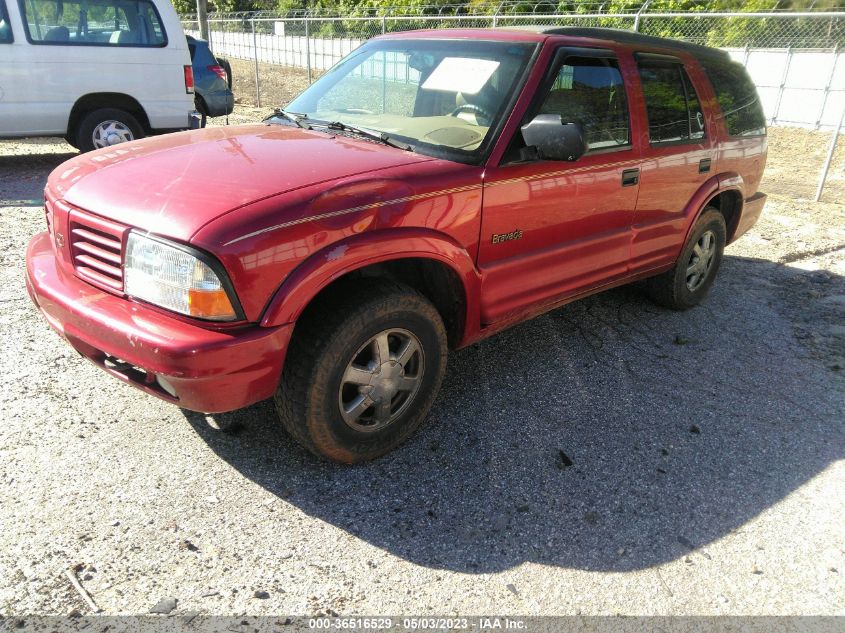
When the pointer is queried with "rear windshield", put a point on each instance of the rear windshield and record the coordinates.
(737, 98)
(93, 22)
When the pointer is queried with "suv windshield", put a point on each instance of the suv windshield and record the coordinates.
(442, 97)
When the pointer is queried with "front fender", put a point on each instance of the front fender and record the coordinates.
(353, 253)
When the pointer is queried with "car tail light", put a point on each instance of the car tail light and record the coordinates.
(189, 80)
(219, 71)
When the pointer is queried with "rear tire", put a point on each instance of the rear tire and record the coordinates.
(362, 371)
(105, 127)
(688, 283)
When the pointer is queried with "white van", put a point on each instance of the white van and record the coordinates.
(97, 72)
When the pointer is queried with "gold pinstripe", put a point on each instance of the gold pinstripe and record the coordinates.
(363, 207)
(423, 196)
(563, 172)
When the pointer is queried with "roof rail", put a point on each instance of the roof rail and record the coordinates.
(630, 37)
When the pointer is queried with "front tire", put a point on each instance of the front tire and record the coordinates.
(106, 127)
(687, 284)
(362, 371)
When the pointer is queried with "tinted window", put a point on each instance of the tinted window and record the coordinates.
(737, 97)
(5, 26)
(674, 112)
(590, 92)
(93, 22)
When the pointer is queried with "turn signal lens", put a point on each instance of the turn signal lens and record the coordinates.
(209, 304)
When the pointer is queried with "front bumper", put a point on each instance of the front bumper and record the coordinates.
(197, 368)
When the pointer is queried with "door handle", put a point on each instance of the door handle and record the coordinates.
(703, 165)
(630, 177)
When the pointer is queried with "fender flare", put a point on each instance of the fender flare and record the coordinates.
(712, 187)
(323, 267)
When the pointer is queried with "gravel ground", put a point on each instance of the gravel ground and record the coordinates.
(608, 457)
(278, 84)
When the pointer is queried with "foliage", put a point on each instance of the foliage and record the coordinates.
(696, 26)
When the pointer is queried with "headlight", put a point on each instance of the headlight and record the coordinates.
(175, 277)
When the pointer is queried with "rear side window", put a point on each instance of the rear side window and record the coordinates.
(5, 25)
(737, 98)
(590, 92)
(93, 22)
(673, 108)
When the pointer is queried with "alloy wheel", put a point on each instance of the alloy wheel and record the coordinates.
(381, 380)
(701, 261)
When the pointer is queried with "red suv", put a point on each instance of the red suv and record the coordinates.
(431, 189)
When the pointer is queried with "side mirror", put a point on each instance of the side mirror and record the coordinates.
(554, 139)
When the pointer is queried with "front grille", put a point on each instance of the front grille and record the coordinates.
(96, 246)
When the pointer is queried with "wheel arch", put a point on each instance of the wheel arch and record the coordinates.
(95, 100)
(428, 261)
(724, 191)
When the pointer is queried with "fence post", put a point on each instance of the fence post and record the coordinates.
(496, 14)
(308, 47)
(202, 18)
(828, 85)
(383, 24)
(255, 56)
(782, 85)
(830, 151)
(637, 17)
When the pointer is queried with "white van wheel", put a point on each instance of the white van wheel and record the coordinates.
(107, 127)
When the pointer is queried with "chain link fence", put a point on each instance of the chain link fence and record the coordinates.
(768, 27)
(315, 40)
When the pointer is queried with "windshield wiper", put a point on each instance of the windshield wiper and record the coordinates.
(381, 137)
(297, 119)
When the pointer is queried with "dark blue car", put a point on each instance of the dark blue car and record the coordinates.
(212, 81)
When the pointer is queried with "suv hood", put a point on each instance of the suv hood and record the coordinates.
(174, 184)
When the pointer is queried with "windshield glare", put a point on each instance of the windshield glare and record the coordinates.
(441, 96)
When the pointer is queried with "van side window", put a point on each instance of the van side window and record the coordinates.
(92, 22)
(737, 98)
(5, 25)
(590, 91)
(674, 112)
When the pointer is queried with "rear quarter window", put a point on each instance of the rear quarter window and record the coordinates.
(5, 25)
(737, 96)
(120, 23)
